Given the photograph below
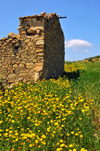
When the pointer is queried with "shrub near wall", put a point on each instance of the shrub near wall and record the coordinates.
(37, 52)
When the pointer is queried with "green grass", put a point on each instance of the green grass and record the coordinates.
(53, 115)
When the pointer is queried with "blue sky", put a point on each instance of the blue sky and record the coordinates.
(81, 27)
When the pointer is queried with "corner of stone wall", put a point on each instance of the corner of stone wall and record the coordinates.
(37, 52)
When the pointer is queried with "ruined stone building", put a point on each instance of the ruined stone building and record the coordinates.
(36, 52)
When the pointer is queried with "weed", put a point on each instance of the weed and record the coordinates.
(53, 115)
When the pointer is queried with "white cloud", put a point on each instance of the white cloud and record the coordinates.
(76, 49)
(80, 50)
(77, 43)
(86, 50)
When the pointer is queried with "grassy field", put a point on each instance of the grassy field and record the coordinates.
(53, 115)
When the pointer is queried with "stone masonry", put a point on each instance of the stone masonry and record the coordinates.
(36, 52)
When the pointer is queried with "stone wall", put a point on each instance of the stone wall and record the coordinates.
(37, 52)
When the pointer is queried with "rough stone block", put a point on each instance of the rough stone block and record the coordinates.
(40, 42)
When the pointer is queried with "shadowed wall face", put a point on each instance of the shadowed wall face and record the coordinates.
(37, 52)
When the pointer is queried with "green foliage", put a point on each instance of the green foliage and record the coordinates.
(53, 114)
(68, 62)
(90, 59)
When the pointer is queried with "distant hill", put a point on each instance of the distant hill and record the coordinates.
(95, 57)
(85, 60)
